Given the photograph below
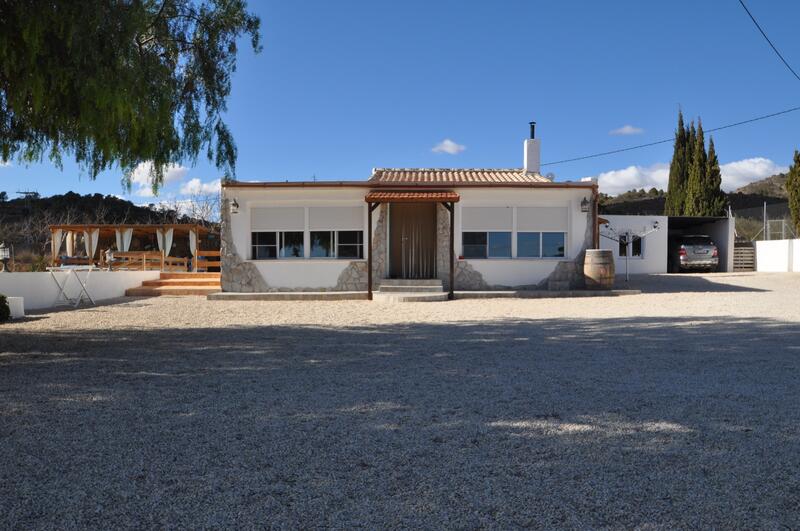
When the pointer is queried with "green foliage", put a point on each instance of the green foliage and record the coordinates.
(116, 83)
(5, 311)
(678, 171)
(3, 197)
(694, 175)
(793, 190)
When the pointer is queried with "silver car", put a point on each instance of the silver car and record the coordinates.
(692, 253)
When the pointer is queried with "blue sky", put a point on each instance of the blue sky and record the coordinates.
(341, 87)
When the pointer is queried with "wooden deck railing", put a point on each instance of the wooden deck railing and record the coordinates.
(207, 259)
(138, 261)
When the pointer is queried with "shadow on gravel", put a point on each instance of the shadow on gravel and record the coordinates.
(683, 283)
(544, 423)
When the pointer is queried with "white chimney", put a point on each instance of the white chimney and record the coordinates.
(533, 148)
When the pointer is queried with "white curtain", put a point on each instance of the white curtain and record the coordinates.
(193, 242)
(55, 244)
(90, 238)
(124, 237)
(70, 243)
(164, 238)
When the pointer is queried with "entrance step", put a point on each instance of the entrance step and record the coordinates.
(410, 289)
(178, 284)
(408, 297)
(410, 282)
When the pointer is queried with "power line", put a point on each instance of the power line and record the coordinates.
(664, 141)
(769, 41)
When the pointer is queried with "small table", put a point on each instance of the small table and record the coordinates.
(72, 271)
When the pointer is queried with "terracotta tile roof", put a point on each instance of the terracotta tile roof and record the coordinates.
(411, 197)
(453, 176)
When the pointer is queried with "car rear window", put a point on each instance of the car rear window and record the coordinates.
(696, 240)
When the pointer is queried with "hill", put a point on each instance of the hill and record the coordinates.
(774, 186)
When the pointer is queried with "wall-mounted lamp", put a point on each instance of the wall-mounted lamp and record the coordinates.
(234, 206)
(585, 205)
(5, 254)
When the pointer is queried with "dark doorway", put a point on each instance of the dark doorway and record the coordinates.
(412, 240)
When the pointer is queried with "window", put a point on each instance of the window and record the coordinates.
(499, 245)
(264, 245)
(634, 249)
(322, 244)
(350, 244)
(344, 244)
(486, 244)
(474, 244)
(291, 244)
(529, 244)
(541, 244)
(553, 244)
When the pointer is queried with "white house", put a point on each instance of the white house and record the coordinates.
(511, 228)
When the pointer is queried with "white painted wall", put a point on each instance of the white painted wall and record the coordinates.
(315, 273)
(778, 256)
(40, 290)
(654, 245)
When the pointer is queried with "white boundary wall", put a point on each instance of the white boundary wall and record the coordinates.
(40, 290)
(778, 256)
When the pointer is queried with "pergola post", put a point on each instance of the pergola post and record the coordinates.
(451, 207)
(370, 208)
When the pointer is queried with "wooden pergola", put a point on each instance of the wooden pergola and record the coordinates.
(446, 198)
(123, 234)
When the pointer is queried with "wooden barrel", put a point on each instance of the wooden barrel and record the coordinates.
(598, 268)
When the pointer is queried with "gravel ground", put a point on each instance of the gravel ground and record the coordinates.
(677, 408)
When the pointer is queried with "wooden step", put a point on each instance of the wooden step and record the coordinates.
(170, 290)
(183, 282)
(179, 276)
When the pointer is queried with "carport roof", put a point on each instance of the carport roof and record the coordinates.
(685, 222)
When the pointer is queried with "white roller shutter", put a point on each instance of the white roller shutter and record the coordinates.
(278, 218)
(336, 218)
(486, 218)
(542, 219)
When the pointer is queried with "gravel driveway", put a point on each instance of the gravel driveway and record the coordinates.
(661, 410)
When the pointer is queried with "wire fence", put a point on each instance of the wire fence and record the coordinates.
(767, 222)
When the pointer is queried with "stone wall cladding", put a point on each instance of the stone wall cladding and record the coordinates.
(353, 278)
(236, 275)
(443, 246)
(379, 246)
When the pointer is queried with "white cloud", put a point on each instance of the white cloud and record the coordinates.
(634, 177)
(734, 175)
(448, 146)
(141, 177)
(627, 129)
(5, 164)
(197, 187)
(739, 173)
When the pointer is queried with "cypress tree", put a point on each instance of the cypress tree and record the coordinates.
(793, 189)
(714, 200)
(697, 174)
(677, 172)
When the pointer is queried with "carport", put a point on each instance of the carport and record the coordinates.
(720, 229)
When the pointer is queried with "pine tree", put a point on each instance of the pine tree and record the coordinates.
(677, 172)
(697, 175)
(793, 189)
(714, 200)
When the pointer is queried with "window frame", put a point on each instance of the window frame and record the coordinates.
(278, 245)
(335, 244)
(487, 245)
(629, 248)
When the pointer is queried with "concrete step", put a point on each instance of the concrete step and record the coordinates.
(183, 282)
(290, 296)
(170, 290)
(408, 297)
(179, 276)
(409, 282)
(411, 289)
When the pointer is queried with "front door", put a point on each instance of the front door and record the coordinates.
(412, 240)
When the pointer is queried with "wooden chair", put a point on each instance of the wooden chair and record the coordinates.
(174, 264)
